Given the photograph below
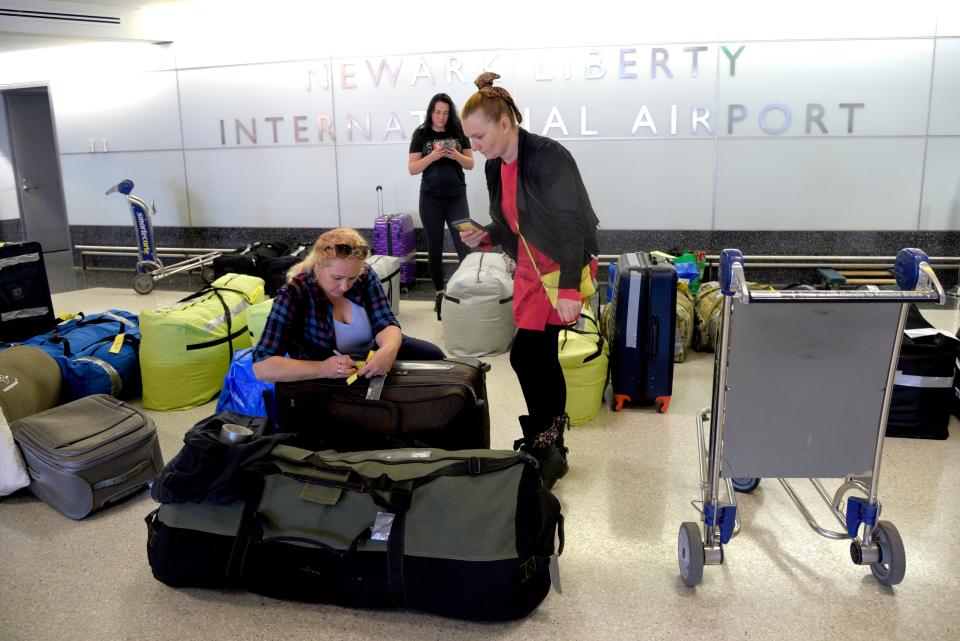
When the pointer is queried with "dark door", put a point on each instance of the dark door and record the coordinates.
(42, 213)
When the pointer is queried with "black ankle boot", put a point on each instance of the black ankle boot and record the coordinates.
(552, 457)
(436, 306)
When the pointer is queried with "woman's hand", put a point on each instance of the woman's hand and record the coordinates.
(337, 366)
(568, 310)
(380, 363)
(472, 239)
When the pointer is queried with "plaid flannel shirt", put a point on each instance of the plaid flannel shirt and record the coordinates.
(300, 324)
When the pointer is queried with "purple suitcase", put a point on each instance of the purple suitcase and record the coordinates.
(394, 235)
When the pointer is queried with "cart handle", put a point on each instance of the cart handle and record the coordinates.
(729, 258)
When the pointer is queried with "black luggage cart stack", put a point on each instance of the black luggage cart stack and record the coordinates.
(801, 389)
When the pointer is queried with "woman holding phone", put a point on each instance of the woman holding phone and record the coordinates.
(441, 152)
(542, 217)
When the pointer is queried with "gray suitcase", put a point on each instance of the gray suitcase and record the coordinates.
(88, 453)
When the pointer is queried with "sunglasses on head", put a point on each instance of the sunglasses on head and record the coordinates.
(342, 250)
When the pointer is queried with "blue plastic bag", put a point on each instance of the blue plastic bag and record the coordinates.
(242, 393)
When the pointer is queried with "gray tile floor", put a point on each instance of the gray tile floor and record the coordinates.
(632, 477)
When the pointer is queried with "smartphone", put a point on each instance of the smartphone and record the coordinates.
(448, 143)
(467, 224)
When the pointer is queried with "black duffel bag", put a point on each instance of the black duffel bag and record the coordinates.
(468, 534)
(250, 260)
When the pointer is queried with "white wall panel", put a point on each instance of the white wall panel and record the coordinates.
(819, 184)
(600, 92)
(361, 168)
(760, 20)
(132, 112)
(291, 94)
(890, 77)
(263, 187)
(374, 96)
(157, 176)
(941, 185)
(648, 184)
(945, 98)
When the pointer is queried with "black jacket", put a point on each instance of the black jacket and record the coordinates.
(552, 204)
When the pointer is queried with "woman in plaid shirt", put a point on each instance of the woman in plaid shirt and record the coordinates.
(332, 308)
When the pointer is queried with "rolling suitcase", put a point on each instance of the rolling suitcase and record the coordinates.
(394, 235)
(89, 453)
(434, 403)
(25, 305)
(643, 330)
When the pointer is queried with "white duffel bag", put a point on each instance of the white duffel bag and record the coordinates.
(477, 308)
(387, 269)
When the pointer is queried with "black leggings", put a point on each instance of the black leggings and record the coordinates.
(534, 358)
(436, 211)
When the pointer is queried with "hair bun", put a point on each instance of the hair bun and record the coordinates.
(486, 79)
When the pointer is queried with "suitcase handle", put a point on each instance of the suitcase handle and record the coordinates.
(379, 200)
(122, 478)
(654, 338)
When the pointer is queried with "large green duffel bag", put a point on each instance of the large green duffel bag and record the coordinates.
(185, 349)
(467, 534)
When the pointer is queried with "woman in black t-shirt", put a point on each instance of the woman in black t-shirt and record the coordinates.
(441, 152)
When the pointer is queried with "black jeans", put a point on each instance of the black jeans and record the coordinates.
(435, 211)
(535, 360)
(417, 349)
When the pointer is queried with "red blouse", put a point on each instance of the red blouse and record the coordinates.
(531, 307)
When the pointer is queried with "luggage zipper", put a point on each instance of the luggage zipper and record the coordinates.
(90, 463)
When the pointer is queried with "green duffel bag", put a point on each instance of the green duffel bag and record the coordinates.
(257, 319)
(185, 349)
(467, 534)
(585, 358)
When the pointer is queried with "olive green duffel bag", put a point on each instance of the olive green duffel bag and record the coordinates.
(467, 534)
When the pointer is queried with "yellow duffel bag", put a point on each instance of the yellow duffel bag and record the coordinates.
(185, 349)
(257, 319)
(584, 357)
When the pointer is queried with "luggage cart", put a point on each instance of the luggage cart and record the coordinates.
(801, 389)
(150, 267)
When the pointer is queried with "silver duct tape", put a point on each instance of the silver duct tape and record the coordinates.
(908, 380)
(217, 321)
(19, 260)
(29, 312)
(125, 321)
(116, 383)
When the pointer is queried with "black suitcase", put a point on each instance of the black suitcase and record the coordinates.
(923, 389)
(89, 453)
(249, 260)
(642, 330)
(434, 403)
(25, 305)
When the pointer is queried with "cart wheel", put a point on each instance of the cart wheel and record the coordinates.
(142, 283)
(208, 275)
(690, 553)
(893, 560)
(745, 484)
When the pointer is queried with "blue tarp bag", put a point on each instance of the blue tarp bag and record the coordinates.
(97, 354)
(242, 393)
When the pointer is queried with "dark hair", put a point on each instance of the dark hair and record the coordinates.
(493, 102)
(454, 128)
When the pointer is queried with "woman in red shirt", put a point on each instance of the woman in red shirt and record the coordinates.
(542, 217)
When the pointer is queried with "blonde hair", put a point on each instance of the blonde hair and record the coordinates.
(493, 102)
(338, 236)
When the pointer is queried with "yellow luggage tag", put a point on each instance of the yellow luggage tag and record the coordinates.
(65, 316)
(117, 344)
(353, 377)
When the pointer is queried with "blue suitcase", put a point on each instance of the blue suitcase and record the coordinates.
(642, 330)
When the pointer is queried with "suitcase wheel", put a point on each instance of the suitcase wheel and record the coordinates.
(663, 403)
(619, 400)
